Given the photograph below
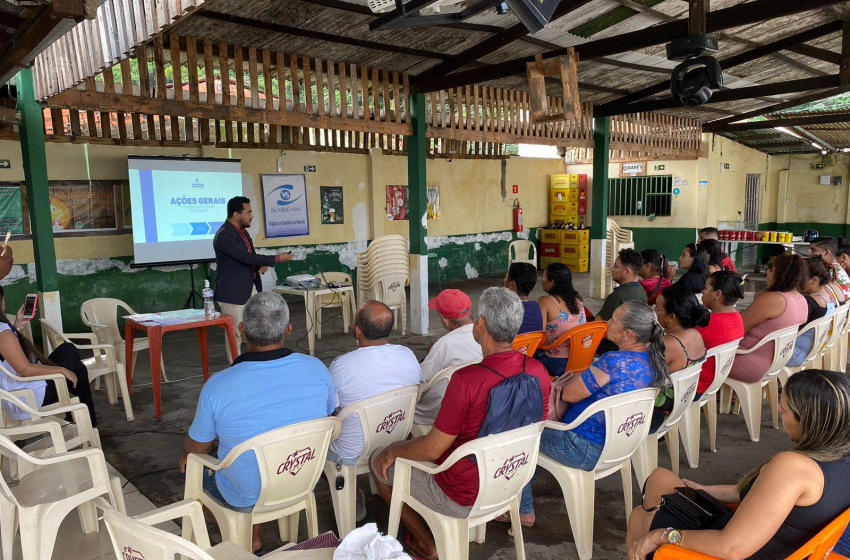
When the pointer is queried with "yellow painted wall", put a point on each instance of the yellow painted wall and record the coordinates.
(795, 195)
(727, 187)
(470, 190)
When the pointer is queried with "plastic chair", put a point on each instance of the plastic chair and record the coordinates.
(831, 357)
(618, 238)
(645, 459)
(523, 251)
(445, 374)
(584, 340)
(505, 465)
(627, 418)
(820, 329)
(290, 461)
(101, 316)
(103, 363)
(724, 357)
(390, 290)
(750, 394)
(64, 398)
(385, 419)
(527, 343)
(819, 547)
(44, 497)
(138, 535)
(59, 437)
(344, 301)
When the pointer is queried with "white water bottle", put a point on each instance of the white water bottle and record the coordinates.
(209, 304)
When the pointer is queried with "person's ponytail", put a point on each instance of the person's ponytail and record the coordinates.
(657, 359)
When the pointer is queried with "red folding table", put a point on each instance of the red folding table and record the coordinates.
(156, 330)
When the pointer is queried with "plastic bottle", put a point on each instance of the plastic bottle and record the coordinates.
(209, 304)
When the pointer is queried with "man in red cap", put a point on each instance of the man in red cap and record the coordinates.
(456, 348)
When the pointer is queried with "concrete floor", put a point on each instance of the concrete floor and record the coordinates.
(147, 450)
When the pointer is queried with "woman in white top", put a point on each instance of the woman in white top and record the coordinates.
(21, 358)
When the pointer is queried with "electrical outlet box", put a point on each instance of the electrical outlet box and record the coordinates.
(825, 180)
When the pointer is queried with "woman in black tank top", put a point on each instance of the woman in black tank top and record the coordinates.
(785, 501)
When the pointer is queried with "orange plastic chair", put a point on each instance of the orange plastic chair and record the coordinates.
(527, 343)
(584, 340)
(818, 548)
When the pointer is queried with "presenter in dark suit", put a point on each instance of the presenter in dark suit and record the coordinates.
(238, 266)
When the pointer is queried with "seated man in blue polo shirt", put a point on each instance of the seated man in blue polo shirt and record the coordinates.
(266, 388)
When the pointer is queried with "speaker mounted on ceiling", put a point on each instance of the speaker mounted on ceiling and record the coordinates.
(695, 79)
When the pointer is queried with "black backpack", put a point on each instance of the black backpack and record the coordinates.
(515, 402)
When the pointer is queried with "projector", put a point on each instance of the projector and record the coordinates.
(695, 79)
(303, 281)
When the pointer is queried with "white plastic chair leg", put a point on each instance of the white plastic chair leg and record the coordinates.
(311, 517)
(578, 488)
(451, 537)
(710, 411)
(626, 474)
(645, 459)
(671, 438)
(688, 428)
(478, 534)
(773, 401)
(8, 527)
(288, 527)
(725, 399)
(118, 494)
(319, 323)
(516, 529)
(749, 397)
(111, 396)
(373, 487)
(125, 395)
(345, 500)
(88, 518)
(237, 529)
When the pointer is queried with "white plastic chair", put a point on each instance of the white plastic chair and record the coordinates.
(342, 300)
(724, 357)
(831, 356)
(290, 460)
(645, 458)
(750, 394)
(137, 535)
(103, 362)
(390, 290)
(523, 251)
(444, 375)
(101, 316)
(385, 419)
(627, 418)
(44, 497)
(505, 465)
(820, 329)
(618, 238)
(64, 398)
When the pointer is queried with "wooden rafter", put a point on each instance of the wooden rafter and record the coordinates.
(718, 20)
(828, 118)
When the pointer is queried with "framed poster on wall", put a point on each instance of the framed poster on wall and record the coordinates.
(332, 207)
(285, 205)
(397, 205)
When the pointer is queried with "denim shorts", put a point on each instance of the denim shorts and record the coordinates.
(212, 489)
(570, 449)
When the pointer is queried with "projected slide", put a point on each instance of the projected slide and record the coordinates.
(178, 204)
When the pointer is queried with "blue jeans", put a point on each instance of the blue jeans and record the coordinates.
(843, 546)
(211, 487)
(566, 448)
(555, 366)
(802, 348)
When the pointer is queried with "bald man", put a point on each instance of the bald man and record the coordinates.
(374, 368)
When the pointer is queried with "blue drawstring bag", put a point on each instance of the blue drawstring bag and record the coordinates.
(515, 402)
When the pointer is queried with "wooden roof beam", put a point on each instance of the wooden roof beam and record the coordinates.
(727, 18)
(318, 35)
(793, 121)
(728, 63)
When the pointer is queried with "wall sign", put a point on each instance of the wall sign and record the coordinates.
(5, 164)
(11, 210)
(332, 207)
(633, 168)
(397, 205)
(285, 205)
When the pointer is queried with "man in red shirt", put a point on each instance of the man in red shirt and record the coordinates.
(453, 492)
(711, 233)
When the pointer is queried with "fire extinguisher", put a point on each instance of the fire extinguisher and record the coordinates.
(517, 216)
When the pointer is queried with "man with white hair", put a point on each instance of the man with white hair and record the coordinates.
(266, 388)
(454, 491)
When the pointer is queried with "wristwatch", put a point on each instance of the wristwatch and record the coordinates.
(672, 536)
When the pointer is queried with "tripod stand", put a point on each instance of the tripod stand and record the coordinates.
(192, 291)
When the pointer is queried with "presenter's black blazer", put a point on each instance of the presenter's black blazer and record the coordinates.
(235, 266)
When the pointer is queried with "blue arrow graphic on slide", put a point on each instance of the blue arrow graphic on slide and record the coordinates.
(200, 228)
(181, 229)
(214, 226)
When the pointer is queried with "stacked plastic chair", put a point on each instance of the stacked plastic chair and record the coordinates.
(383, 271)
(618, 238)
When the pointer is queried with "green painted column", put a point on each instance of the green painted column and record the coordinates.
(418, 212)
(599, 205)
(38, 197)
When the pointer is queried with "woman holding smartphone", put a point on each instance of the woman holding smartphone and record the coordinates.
(20, 357)
(784, 502)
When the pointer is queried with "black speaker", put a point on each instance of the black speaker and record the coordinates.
(693, 80)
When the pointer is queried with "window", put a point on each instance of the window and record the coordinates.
(640, 196)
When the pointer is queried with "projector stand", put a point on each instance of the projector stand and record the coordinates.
(193, 292)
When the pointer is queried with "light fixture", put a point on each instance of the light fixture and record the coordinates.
(787, 131)
(818, 146)
(845, 149)
(824, 152)
(502, 8)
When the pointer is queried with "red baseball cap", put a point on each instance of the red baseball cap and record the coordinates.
(451, 304)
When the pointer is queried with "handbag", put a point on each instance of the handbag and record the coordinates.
(695, 508)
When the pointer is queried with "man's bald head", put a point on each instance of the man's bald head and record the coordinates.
(374, 320)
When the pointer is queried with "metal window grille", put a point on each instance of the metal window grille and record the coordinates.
(640, 196)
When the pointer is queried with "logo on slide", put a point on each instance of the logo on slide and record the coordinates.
(197, 184)
(285, 195)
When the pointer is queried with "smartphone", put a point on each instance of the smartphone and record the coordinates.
(30, 306)
(703, 500)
